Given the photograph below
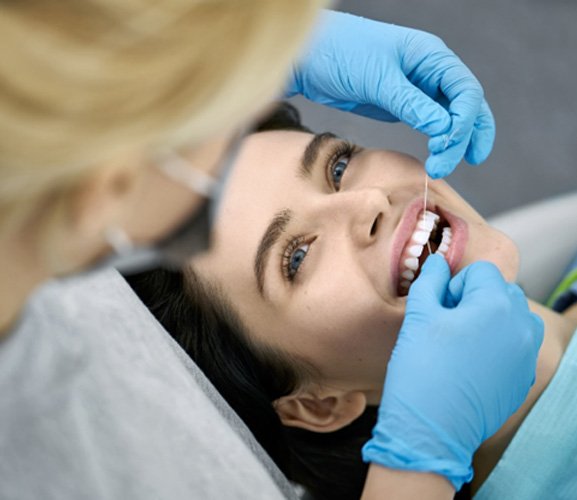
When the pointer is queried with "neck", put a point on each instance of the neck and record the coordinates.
(19, 276)
(558, 332)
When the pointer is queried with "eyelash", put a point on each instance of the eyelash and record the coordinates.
(340, 150)
(291, 247)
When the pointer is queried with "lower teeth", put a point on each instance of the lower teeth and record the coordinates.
(445, 241)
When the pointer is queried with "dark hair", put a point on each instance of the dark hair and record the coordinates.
(251, 377)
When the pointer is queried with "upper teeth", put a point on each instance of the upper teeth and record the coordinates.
(415, 250)
(419, 238)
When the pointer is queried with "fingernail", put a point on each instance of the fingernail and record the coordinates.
(443, 142)
(435, 168)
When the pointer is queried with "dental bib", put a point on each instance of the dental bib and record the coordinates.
(541, 461)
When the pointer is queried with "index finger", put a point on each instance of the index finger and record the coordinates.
(466, 97)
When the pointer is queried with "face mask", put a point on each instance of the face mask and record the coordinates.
(192, 236)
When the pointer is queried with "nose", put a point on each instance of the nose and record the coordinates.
(357, 214)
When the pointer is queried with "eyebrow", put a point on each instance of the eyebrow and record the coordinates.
(278, 224)
(311, 153)
(271, 235)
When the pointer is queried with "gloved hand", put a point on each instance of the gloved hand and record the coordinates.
(463, 364)
(394, 73)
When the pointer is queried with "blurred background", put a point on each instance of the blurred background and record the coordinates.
(524, 52)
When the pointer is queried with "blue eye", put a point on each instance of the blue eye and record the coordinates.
(296, 259)
(338, 161)
(293, 257)
(338, 170)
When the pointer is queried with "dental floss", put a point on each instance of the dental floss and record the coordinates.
(448, 138)
(425, 207)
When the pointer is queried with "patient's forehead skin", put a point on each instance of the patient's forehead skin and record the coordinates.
(339, 314)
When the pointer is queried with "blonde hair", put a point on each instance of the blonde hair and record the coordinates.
(82, 80)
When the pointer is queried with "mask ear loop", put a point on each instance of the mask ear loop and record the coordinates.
(178, 169)
(183, 172)
(118, 240)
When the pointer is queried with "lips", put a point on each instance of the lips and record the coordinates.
(438, 231)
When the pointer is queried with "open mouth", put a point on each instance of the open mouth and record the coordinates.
(432, 234)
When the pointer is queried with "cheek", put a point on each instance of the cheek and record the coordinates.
(487, 243)
(346, 335)
(390, 169)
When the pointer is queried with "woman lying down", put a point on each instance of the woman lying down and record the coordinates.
(295, 310)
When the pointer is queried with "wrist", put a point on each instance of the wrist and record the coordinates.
(392, 484)
(426, 456)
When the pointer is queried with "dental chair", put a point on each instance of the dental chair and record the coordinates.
(546, 234)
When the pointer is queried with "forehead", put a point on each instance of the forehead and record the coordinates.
(263, 181)
(270, 155)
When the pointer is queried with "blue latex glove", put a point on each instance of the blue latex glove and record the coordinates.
(463, 364)
(394, 73)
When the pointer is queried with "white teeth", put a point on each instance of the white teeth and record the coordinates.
(421, 237)
(445, 241)
(408, 275)
(428, 221)
(425, 225)
(412, 263)
(415, 250)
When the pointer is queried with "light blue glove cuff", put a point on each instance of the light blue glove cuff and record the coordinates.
(387, 455)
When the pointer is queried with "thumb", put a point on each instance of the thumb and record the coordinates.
(431, 285)
(479, 278)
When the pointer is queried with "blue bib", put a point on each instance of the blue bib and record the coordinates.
(541, 461)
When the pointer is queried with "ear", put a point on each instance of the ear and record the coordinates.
(67, 227)
(321, 412)
(103, 198)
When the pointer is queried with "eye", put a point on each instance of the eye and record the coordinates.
(293, 257)
(338, 163)
(338, 170)
(297, 258)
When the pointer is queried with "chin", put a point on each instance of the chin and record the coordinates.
(502, 252)
(510, 267)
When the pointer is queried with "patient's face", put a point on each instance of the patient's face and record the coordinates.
(315, 245)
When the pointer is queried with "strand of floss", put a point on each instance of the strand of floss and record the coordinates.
(425, 207)
(447, 140)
